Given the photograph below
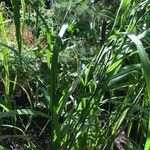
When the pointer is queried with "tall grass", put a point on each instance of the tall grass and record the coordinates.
(5, 61)
(88, 95)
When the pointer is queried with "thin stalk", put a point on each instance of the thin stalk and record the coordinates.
(5, 61)
(16, 10)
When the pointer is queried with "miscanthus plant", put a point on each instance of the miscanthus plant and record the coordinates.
(76, 74)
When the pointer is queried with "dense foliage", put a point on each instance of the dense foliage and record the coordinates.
(75, 74)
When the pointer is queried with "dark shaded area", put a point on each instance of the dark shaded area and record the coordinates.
(41, 141)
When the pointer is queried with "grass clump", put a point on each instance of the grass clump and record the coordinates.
(74, 75)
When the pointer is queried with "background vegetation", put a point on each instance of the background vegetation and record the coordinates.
(75, 74)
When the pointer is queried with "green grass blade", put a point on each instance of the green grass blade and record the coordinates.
(144, 60)
(16, 10)
(53, 74)
(19, 112)
(23, 12)
(5, 53)
(146, 68)
(121, 15)
(66, 96)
